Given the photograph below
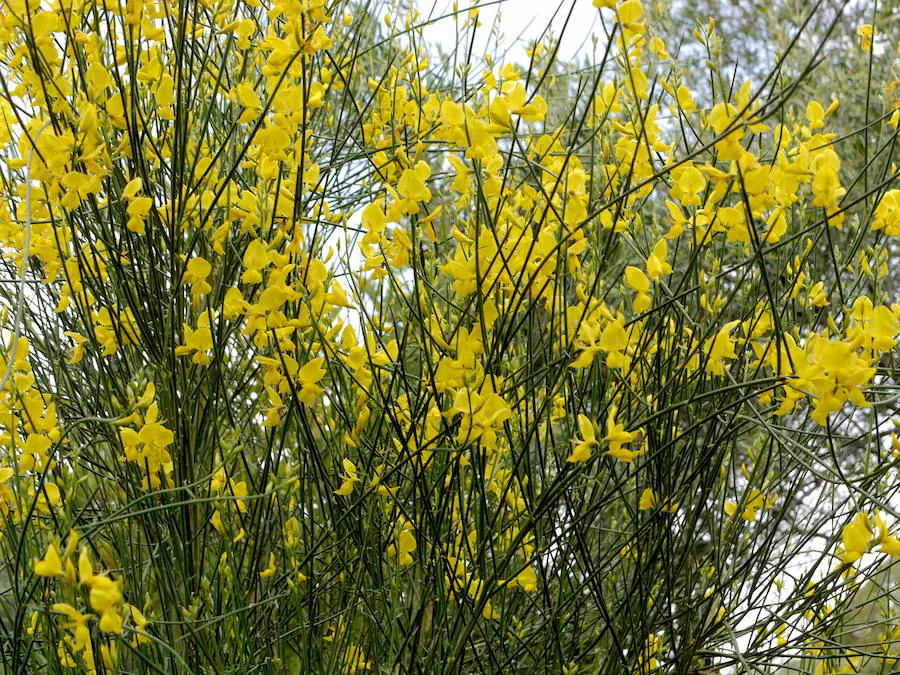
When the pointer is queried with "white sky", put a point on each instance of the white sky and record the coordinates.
(519, 21)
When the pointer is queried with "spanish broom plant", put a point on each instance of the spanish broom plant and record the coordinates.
(327, 350)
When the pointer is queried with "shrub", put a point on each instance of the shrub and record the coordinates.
(330, 353)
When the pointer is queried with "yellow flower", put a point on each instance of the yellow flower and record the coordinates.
(657, 265)
(138, 208)
(243, 28)
(104, 594)
(234, 304)
(855, 537)
(197, 342)
(78, 351)
(105, 597)
(147, 397)
(350, 477)
(756, 500)
(195, 274)
(404, 545)
(256, 258)
(354, 661)
(815, 114)
(239, 489)
(7, 496)
(111, 622)
(583, 445)
(132, 188)
(685, 100)
(77, 623)
(482, 413)
(650, 500)
(636, 279)
(140, 624)
(718, 348)
(85, 568)
(526, 580)
(310, 375)
(817, 296)
(887, 542)
(275, 410)
(51, 565)
(270, 570)
(614, 338)
(630, 13)
(866, 34)
(47, 498)
(639, 282)
(687, 184)
(617, 437)
(413, 188)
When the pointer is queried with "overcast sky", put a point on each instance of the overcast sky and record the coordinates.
(520, 21)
